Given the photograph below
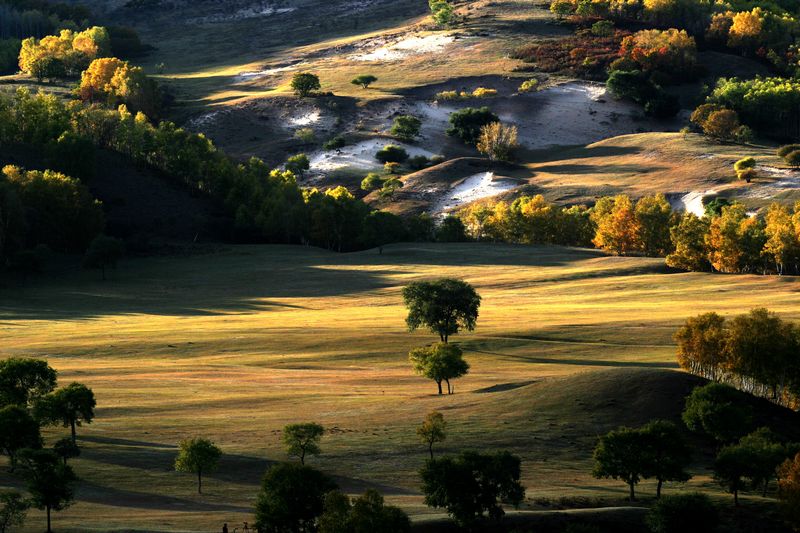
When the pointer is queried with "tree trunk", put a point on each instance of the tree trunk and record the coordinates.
(72, 426)
(48, 520)
(736, 498)
(633, 493)
(658, 488)
(303, 455)
(449, 390)
(439, 383)
(430, 450)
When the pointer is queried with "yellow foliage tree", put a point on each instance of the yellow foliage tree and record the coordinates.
(96, 80)
(782, 245)
(617, 225)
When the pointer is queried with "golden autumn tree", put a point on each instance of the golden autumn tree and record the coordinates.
(789, 489)
(96, 80)
(723, 242)
(498, 141)
(688, 241)
(654, 217)
(617, 225)
(746, 27)
(701, 345)
(782, 246)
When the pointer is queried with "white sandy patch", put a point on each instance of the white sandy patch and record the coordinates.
(429, 44)
(305, 119)
(476, 187)
(205, 120)
(360, 156)
(691, 202)
(243, 76)
(260, 9)
(787, 179)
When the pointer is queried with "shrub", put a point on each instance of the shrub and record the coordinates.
(371, 182)
(391, 154)
(683, 513)
(389, 186)
(786, 149)
(418, 162)
(447, 95)
(483, 92)
(306, 135)
(603, 28)
(466, 124)
(406, 127)
(498, 141)
(298, 164)
(438, 160)
(743, 164)
(748, 174)
(529, 86)
(335, 143)
(391, 167)
(793, 159)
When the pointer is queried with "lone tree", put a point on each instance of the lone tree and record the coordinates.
(718, 411)
(24, 380)
(13, 509)
(445, 306)
(472, 484)
(498, 141)
(104, 252)
(71, 406)
(291, 498)
(66, 449)
(432, 430)
(365, 80)
(732, 466)
(302, 439)
(620, 454)
(406, 127)
(667, 453)
(49, 481)
(304, 83)
(439, 362)
(18, 430)
(196, 456)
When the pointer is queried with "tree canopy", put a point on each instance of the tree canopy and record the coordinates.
(197, 455)
(445, 306)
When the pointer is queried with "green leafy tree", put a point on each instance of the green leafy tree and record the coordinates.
(731, 468)
(66, 449)
(391, 154)
(366, 514)
(472, 484)
(768, 454)
(442, 12)
(382, 228)
(432, 430)
(439, 362)
(196, 456)
(103, 253)
(305, 83)
(18, 430)
(13, 510)
(302, 439)
(622, 454)
(291, 498)
(668, 454)
(445, 306)
(71, 406)
(451, 229)
(49, 481)
(466, 124)
(406, 127)
(683, 513)
(24, 380)
(717, 411)
(364, 80)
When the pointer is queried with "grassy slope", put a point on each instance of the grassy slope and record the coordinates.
(234, 345)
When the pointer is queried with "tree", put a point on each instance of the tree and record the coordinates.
(302, 439)
(472, 484)
(617, 225)
(702, 343)
(391, 154)
(104, 252)
(298, 164)
(196, 456)
(621, 454)
(432, 430)
(782, 245)
(49, 481)
(18, 430)
(442, 12)
(445, 306)
(789, 489)
(291, 498)
(653, 217)
(71, 406)
(365, 80)
(683, 513)
(689, 245)
(366, 514)
(731, 467)
(668, 454)
(768, 454)
(13, 509)
(451, 229)
(439, 362)
(304, 83)
(498, 141)
(371, 182)
(24, 380)
(66, 449)
(406, 127)
(466, 123)
(382, 228)
(718, 411)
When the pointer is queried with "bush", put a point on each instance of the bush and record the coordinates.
(371, 182)
(683, 513)
(793, 159)
(786, 149)
(391, 154)
(335, 143)
(306, 135)
(298, 164)
(391, 168)
(498, 141)
(406, 127)
(483, 92)
(745, 163)
(662, 105)
(748, 174)
(529, 86)
(603, 28)
(418, 162)
(466, 124)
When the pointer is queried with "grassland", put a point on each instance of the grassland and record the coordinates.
(235, 343)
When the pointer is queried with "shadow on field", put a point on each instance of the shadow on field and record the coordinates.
(106, 495)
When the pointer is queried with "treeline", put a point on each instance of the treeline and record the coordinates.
(36, 18)
(266, 205)
(726, 239)
(755, 352)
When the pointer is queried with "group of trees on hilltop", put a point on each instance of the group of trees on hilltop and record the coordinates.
(756, 352)
(29, 400)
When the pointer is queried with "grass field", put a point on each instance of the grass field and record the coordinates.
(236, 343)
